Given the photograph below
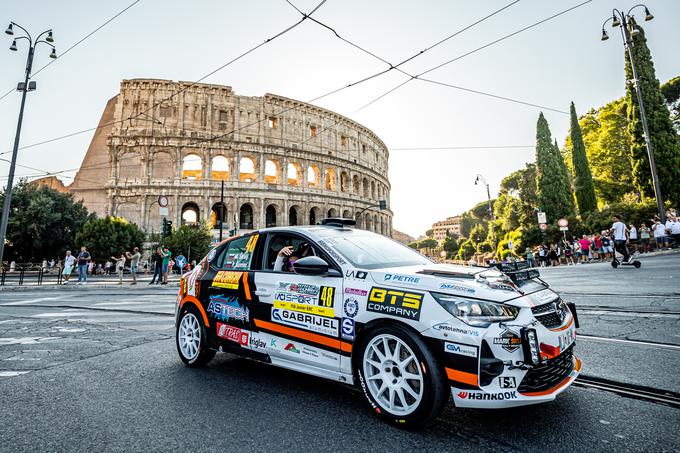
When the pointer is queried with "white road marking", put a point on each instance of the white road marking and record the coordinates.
(633, 342)
(106, 304)
(33, 301)
(12, 373)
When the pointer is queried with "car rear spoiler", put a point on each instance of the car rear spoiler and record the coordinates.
(518, 271)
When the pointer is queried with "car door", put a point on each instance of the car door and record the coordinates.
(300, 313)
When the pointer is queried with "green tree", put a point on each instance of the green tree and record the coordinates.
(192, 241)
(583, 179)
(466, 250)
(554, 192)
(109, 236)
(521, 185)
(428, 243)
(664, 138)
(671, 92)
(43, 223)
(478, 234)
(450, 245)
(413, 245)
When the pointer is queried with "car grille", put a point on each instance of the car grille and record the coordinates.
(547, 315)
(549, 374)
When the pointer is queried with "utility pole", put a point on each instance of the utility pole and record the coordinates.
(24, 88)
(492, 218)
(221, 210)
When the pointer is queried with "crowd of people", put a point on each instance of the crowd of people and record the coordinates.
(628, 240)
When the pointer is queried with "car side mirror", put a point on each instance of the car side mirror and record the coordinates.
(310, 265)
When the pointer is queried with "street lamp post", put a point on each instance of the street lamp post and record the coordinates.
(491, 214)
(24, 88)
(627, 32)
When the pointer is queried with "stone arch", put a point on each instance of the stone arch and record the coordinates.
(129, 165)
(347, 214)
(356, 185)
(374, 195)
(270, 216)
(218, 215)
(331, 179)
(294, 174)
(191, 214)
(219, 168)
(376, 223)
(368, 222)
(246, 170)
(383, 226)
(246, 217)
(332, 212)
(271, 171)
(366, 187)
(294, 215)
(192, 167)
(314, 215)
(163, 166)
(344, 181)
(313, 176)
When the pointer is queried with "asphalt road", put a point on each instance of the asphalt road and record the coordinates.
(92, 368)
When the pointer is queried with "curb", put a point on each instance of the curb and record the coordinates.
(75, 287)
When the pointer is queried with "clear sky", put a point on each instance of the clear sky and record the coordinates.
(549, 65)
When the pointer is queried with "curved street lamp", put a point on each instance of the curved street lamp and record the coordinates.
(24, 88)
(491, 214)
(628, 31)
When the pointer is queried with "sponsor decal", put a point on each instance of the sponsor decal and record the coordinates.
(566, 339)
(461, 349)
(305, 308)
(227, 308)
(348, 329)
(356, 275)
(456, 287)
(273, 343)
(211, 255)
(331, 251)
(191, 288)
(487, 396)
(227, 279)
(401, 278)
(297, 298)
(257, 343)
(509, 340)
(351, 307)
(446, 327)
(306, 321)
(228, 332)
(356, 292)
(310, 352)
(299, 288)
(327, 296)
(328, 355)
(395, 303)
(290, 347)
(507, 382)
(365, 390)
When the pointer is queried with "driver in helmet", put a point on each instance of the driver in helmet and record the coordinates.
(285, 260)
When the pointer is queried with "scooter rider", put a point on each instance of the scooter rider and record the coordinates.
(619, 231)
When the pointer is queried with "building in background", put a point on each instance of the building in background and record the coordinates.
(282, 161)
(446, 227)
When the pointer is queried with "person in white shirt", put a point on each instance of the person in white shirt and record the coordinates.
(69, 262)
(619, 230)
(659, 234)
(673, 225)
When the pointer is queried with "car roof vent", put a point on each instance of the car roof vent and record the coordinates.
(338, 222)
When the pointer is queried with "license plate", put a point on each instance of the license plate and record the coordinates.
(567, 339)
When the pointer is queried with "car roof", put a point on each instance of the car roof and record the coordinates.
(319, 232)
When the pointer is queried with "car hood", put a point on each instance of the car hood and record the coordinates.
(467, 281)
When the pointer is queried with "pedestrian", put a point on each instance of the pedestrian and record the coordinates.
(552, 254)
(158, 267)
(134, 263)
(120, 266)
(541, 255)
(84, 258)
(633, 237)
(69, 262)
(167, 254)
(607, 245)
(90, 267)
(568, 253)
(619, 231)
(584, 243)
(597, 245)
(530, 257)
(659, 234)
(644, 237)
(673, 226)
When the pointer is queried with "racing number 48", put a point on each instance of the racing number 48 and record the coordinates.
(326, 299)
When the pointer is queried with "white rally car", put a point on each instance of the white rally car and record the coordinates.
(359, 308)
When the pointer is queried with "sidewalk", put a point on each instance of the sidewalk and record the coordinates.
(99, 282)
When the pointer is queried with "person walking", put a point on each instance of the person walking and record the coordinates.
(167, 255)
(619, 231)
(84, 258)
(584, 243)
(530, 257)
(644, 237)
(659, 234)
(633, 237)
(541, 255)
(157, 267)
(597, 245)
(673, 226)
(134, 263)
(69, 262)
(568, 253)
(120, 266)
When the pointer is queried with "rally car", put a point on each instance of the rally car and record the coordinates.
(357, 307)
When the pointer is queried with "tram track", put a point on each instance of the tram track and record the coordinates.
(638, 392)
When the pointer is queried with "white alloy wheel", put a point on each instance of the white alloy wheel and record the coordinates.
(189, 336)
(393, 375)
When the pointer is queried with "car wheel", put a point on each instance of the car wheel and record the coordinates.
(637, 264)
(400, 377)
(191, 339)
(615, 264)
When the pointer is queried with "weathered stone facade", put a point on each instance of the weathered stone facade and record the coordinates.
(282, 161)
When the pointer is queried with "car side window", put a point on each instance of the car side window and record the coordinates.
(238, 253)
(298, 246)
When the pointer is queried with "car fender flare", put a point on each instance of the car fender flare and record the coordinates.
(361, 337)
(195, 302)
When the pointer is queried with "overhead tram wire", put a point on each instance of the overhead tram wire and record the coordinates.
(496, 41)
(228, 63)
(77, 43)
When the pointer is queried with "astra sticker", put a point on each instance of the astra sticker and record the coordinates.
(348, 329)
(227, 308)
(305, 308)
(455, 287)
(401, 278)
(509, 340)
(351, 307)
(306, 321)
(446, 327)
(395, 303)
(227, 279)
(461, 349)
(356, 292)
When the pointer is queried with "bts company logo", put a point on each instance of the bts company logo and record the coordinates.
(396, 303)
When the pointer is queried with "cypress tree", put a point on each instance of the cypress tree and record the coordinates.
(665, 142)
(583, 179)
(565, 181)
(552, 185)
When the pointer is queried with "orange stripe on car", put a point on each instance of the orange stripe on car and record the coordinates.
(193, 301)
(571, 321)
(246, 287)
(461, 376)
(565, 381)
(303, 335)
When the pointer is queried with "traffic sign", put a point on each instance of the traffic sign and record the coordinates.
(163, 211)
(543, 226)
(181, 261)
(541, 217)
(563, 228)
(563, 222)
(162, 201)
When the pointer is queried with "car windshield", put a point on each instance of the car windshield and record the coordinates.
(374, 252)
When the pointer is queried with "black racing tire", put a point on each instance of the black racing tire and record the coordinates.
(435, 390)
(193, 348)
(637, 264)
(615, 264)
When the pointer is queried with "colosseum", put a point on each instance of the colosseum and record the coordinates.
(280, 161)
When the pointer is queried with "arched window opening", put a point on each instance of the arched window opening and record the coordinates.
(313, 216)
(271, 172)
(218, 215)
(313, 176)
(344, 181)
(190, 214)
(332, 212)
(376, 224)
(246, 217)
(246, 170)
(356, 185)
(270, 216)
(373, 192)
(294, 174)
(346, 214)
(219, 168)
(367, 187)
(162, 166)
(292, 216)
(331, 179)
(192, 167)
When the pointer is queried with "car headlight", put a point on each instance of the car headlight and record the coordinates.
(476, 313)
